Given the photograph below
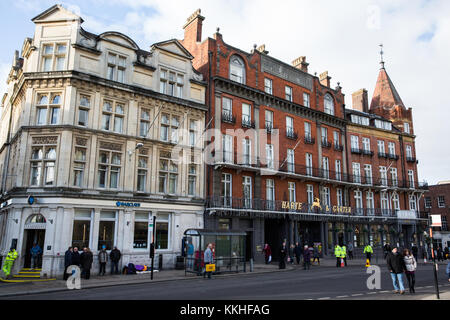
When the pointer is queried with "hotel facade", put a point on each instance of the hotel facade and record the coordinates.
(288, 161)
(98, 137)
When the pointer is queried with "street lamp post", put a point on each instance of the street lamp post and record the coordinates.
(434, 259)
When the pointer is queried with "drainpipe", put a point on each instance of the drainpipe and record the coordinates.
(8, 152)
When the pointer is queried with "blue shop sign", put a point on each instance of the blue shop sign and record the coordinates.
(127, 204)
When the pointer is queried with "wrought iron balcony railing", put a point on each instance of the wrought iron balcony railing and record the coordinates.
(326, 144)
(393, 156)
(248, 123)
(291, 134)
(382, 155)
(309, 139)
(338, 147)
(228, 117)
(411, 159)
(367, 152)
(356, 150)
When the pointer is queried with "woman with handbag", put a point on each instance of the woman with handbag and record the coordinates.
(411, 266)
(267, 253)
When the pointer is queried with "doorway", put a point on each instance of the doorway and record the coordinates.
(249, 246)
(33, 236)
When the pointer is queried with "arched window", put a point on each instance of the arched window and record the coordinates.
(237, 69)
(329, 104)
(35, 218)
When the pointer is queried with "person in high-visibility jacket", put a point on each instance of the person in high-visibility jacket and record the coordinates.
(368, 251)
(338, 253)
(344, 254)
(10, 257)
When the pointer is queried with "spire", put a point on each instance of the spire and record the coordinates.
(385, 94)
(381, 54)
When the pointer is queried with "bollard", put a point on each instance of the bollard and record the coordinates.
(160, 262)
(251, 265)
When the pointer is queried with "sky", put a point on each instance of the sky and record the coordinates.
(341, 37)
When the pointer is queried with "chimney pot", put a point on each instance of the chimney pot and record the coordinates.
(193, 26)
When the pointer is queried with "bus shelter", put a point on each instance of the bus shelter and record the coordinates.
(228, 249)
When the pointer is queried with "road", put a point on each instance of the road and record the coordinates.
(319, 283)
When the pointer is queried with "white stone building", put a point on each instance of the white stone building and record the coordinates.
(91, 127)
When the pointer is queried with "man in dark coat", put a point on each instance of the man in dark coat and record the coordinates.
(396, 266)
(115, 255)
(306, 258)
(76, 257)
(298, 251)
(86, 260)
(283, 253)
(67, 261)
(414, 251)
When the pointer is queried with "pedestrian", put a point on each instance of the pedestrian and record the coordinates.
(439, 253)
(86, 259)
(298, 252)
(306, 258)
(414, 251)
(67, 261)
(76, 257)
(114, 256)
(190, 255)
(267, 253)
(102, 259)
(448, 271)
(344, 254)
(35, 255)
(208, 259)
(9, 261)
(368, 251)
(350, 250)
(337, 254)
(410, 266)
(316, 255)
(386, 249)
(396, 266)
(291, 254)
(446, 253)
(283, 253)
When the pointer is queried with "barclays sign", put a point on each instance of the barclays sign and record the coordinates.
(128, 204)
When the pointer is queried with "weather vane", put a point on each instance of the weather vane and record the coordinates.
(381, 54)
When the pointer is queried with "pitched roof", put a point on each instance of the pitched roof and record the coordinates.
(385, 94)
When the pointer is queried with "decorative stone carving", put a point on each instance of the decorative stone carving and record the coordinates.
(45, 140)
(81, 141)
(86, 42)
(110, 146)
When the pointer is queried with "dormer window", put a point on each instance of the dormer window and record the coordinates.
(329, 104)
(54, 57)
(237, 69)
(116, 67)
(171, 83)
(406, 127)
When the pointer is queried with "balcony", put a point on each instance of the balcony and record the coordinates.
(338, 147)
(248, 123)
(356, 150)
(309, 139)
(244, 204)
(291, 134)
(411, 159)
(367, 153)
(269, 127)
(326, 144)
(392, 156)
(382, 155)
(228, 117)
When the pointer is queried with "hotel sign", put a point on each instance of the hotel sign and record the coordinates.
(299, 206)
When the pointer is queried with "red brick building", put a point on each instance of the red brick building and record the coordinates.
(281, 163)
(437, 201)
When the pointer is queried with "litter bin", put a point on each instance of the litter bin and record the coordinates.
(180, 263)
(160, 262)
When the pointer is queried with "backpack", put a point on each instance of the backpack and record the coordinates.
(139, 267)
(131, 268)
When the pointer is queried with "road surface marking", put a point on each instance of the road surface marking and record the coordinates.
(357, 294)
(385, 291)
(324, 298)
(342, 296)
(372, 292)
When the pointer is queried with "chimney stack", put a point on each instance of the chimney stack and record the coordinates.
(360, 100)
(300, 63)
(325, 79)
(193, 27)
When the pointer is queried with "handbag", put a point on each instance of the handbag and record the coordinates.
(270, 258)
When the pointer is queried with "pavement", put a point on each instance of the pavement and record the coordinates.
(326, 269)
